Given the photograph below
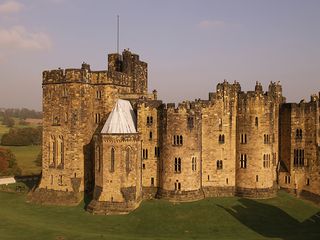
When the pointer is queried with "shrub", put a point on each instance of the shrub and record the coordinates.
(8, 164)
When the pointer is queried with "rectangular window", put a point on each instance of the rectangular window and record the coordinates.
(243, 138)
(219, 164)
(97, 118)
(298, 159)
(152, 181)
(177, 140)
(243, 161)
(145, 153)
(156, 151)
(177, 165)
(194, 164)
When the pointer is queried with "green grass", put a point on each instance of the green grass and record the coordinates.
(284, 217)
(26, 155)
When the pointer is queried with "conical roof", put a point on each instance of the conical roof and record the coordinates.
(122, 119)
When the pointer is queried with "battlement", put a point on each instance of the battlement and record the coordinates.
(72, 75)
(123, 70)
(184, 107)
(125, 63)
(227, 88)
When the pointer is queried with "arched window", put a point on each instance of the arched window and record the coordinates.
(54, 151)
(61, 163)
(256, 122)
(112, 160)
(299, 134)
(221, 138)
(150, 135)
(98, 160)
(181, 140)
(128, 160)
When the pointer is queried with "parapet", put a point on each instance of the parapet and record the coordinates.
(67, 75)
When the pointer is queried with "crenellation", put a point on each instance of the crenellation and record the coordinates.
(235, 143)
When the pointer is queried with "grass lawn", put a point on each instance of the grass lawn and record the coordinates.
(284, 217)
(26, 155)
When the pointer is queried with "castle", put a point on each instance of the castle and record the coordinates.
(106, 137)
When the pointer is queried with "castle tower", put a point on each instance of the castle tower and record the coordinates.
(118, 187)
(300, 147)
(181, 154)
(76, 103)
(219, 141)
(256, 136)
(149, 126)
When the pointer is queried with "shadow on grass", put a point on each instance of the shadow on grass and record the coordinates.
(272, 222)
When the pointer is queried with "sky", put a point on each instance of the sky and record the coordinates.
(190, 45)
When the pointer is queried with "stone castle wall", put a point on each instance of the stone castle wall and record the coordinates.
(231, 144)
(300, 128)
(181, 153)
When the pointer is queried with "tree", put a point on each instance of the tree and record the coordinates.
(22, 137)
(8, 164)
(8, 121)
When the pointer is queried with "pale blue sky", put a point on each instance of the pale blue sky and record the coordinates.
(190, 46)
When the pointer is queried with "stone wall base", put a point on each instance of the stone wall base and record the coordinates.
(52, 197)
(304, 194)
(181, 196)
(310, 196)
(219, 191)
(256, 192)
(112, 208)
(149, 192)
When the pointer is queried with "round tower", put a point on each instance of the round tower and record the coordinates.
(181, 159)
(255, 139)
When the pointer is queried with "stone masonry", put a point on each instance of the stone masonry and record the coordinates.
(233, 144)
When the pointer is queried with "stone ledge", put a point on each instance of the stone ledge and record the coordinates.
(112, 208)
(219, 191)
(53, 197)
(180, 196)
(256, 192)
